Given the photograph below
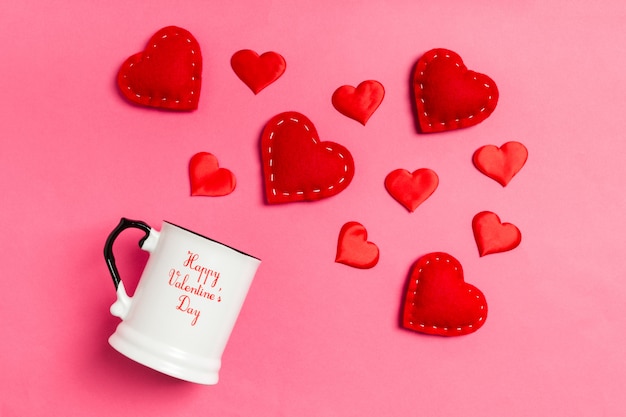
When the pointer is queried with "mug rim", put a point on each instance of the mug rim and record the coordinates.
(212, 240)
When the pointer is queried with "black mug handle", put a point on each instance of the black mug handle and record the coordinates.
(108, 247)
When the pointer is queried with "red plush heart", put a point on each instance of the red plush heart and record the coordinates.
(207, 178)
(438, 301)
(411, 189)
(297, 166)
(353, 248)
(501, 164)
(493, 236)
(359, 103)
(167, 74)
(257, 72)
(449, 96)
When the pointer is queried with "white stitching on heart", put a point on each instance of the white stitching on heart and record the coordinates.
(457, 120)
(147, 56)
(271, 161)
(432, 326)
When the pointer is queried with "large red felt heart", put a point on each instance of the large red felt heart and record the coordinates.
(353, 248)
(207, 178)
(501, 164)
(438, 301)
(359, 103)
(167, 74)
(411, 189)
(449, 96)
(493, 236)
(297, 166)
(257, 72)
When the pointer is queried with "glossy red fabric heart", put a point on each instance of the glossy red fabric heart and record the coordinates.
(207, 178)
(501, 164)
(297, 166)
(438, 301)
(257, 71)
(359, 103)
(167, 74)
(411, 189)
(448, 95)
(493, 236)
(353, 248)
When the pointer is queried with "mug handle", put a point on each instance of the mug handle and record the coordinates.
(108, 247)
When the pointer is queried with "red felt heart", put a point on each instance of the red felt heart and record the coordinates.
(167, 74)
(297, 166)
(359, 103)
(411, 189)
(207, 178)
(449, 96)
(501, 164)
(353, 248)
(257, 72)
(493, 236)
(438, 301)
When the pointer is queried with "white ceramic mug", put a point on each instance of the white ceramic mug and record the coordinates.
(186, 303)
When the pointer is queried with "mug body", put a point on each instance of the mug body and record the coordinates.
(185, 306)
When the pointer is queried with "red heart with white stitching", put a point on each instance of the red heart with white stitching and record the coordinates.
(207, 178)
(438, 301)
(167, 74)
(359, 103)
(353, 248)
(411, 189)
(257, 71)
(297, 166)
(493, 236)
(448, 95)
(501, 164)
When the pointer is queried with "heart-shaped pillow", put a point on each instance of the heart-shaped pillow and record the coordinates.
(359, 103)
(448, 95)
(411, 188)
(493, 236)
(501, 164)
(297, 166)
(167, 74)
(207, 178)
(257, 71)
(438, 301)
(353, 248)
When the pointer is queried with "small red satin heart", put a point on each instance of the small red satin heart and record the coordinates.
(359, 103)
(411, 189)
(501, 164)
(297, 166)
(257, 72)
(448, 95)
(493, 236)
(438, 301)
(207, 178)
(353, 248)
(167, 74)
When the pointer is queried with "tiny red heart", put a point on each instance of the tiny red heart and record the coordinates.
(448, 95)
(359, 103)
(257, 71)
(493, 236)
(501, 164)
(297, 166)
(411, 189)
(438, 301)
(207, 178)
(353, 248)
(167, 74)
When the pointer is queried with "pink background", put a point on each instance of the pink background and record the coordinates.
(318, 338)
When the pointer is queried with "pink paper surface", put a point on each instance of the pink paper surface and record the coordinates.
(318, 338)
